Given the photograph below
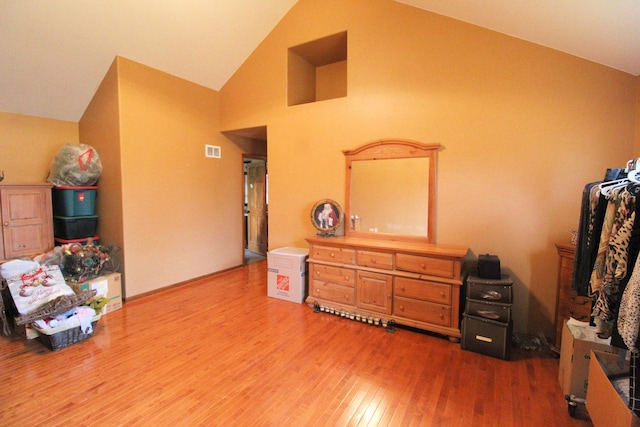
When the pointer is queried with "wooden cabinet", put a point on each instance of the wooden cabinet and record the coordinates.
(568, 303)
(27, 220)
(413, 284)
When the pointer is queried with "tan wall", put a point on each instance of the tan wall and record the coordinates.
(29, 144)
(182, 212)
(100, 128)
(523, 129)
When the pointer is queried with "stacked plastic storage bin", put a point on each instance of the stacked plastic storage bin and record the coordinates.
(74, 219)
(487, 324)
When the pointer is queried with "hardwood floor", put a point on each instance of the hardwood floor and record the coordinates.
(219, 352)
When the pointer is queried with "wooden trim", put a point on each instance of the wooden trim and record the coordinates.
(184, 284)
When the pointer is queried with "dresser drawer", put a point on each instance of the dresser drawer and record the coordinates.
(333, 254)
(422, 290)
(567, 263)
(579, 307)
(372, 259)
(328, 273)
(332, 292)
(426, 265)
(423, 311)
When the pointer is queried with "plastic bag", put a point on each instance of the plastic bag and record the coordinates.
(75, 165)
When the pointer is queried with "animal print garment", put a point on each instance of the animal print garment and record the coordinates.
(594, 205)
(629, 312)
(615, 263)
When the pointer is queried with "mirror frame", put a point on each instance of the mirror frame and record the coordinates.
(394, 149)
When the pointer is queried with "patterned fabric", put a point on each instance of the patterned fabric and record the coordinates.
(597, 276)
(634, 250)
(629, 312)
(614, 266)
(592, 213)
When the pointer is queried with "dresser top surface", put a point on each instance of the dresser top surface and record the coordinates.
(456, 251)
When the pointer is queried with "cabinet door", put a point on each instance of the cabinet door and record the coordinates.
(373, 291)
(27, 227)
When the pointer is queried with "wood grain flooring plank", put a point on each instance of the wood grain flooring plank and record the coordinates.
(218, 352)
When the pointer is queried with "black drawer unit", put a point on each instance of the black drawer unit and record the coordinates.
(490, 290)
(489, 310)
(487, 325)
(486, 336)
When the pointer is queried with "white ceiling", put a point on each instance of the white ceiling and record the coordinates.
(54, 54)
(603, 31)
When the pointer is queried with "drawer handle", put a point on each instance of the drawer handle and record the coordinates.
(373, 260)
(491, 295)
(424, 267)
(576, 302)
(332, 255)
(346, 277)
(441, 316)
(346, 297)
(401, 308)
(581, 317)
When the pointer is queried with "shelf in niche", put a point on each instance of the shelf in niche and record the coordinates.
(317, 70)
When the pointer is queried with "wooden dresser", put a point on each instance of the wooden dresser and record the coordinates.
(412, 284)
(568, 303)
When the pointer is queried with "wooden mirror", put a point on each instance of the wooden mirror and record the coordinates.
(390, 190)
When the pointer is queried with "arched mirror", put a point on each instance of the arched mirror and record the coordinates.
(390, 191)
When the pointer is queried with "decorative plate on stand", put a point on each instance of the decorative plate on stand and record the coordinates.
(326, 217)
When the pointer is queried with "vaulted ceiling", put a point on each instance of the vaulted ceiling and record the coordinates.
(54, 54)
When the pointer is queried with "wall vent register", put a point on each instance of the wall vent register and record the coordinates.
(212, 151)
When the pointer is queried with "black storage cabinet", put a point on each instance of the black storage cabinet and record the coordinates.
(487, 326)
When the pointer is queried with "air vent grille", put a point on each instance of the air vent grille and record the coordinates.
(212, 151)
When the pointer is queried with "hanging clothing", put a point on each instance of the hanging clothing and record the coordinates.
(607, 258)
(628, 317)
(593, 209)
(611, 265)
(629, 312)
(592, 212)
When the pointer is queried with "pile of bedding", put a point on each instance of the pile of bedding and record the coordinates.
(41, 289)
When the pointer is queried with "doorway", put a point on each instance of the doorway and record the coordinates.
(255, 207)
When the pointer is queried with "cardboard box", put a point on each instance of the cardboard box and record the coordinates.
(578, 341)
(287, 274)
(108, 285)
(605, 405)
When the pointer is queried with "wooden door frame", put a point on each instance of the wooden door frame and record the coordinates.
(244, 194)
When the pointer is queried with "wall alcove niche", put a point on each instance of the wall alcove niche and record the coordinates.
(317, 70)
